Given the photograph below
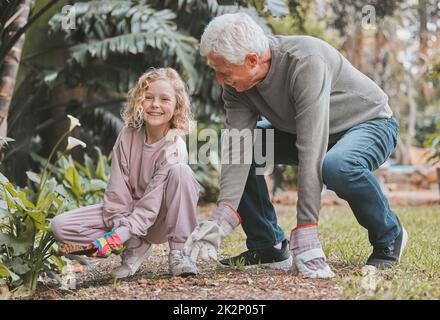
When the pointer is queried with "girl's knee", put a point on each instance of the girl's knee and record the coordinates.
(57, 226)
(179, 172)
(182, 176)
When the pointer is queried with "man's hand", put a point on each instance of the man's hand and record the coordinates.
(204, 241)
(206, 238)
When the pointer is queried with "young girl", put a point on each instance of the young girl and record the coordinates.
(152, 194)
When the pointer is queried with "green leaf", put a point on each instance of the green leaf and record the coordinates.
(58, 261)
(40, 220)
(34, 177)
(277, 8)
(50, 78)
(80, 54)
(49, 189)
(72, 177)
(28, 205)
(62, 191)
(5, 213)
(120, 13)
(11, 189)
(3, 205)
(3, 179)
(81, 168)
(100, 170)
(19, 266)
(46, 202)
(6, 139)
(17, 199)
(90, 167)
(5, 272)
(8, 198)
(19, 245)
(96, 185)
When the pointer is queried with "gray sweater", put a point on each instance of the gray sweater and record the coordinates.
(312, 91)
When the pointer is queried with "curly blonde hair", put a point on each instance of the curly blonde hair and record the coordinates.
(132, 114)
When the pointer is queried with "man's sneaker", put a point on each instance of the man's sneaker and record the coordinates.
(180, 264)
(137, 250)
(271, 258)
(387, 257)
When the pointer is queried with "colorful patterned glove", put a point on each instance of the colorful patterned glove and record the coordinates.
(108, 244)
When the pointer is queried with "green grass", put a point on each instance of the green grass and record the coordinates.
(347, 248)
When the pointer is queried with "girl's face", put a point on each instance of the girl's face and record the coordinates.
(159, 104)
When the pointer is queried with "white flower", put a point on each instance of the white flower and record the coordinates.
(73, 122)
(73, 142)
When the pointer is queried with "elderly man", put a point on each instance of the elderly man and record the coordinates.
(328, 118)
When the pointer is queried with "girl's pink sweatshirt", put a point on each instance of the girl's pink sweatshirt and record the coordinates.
(137, 180)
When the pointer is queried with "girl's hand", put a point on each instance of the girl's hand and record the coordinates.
(108, 244)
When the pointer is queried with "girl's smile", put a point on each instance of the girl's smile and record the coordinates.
(159, 105)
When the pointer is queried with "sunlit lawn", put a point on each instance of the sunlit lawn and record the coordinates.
(346, 245)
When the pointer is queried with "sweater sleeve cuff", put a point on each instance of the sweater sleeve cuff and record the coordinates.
(123, 233)
(226, 212)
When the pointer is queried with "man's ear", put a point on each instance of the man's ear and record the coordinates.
(252, 59)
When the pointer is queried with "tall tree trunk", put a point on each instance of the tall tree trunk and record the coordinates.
(380, 60)
(412, 114)
(9, 69)
(422, 9)
(423, 30)
(358, 49)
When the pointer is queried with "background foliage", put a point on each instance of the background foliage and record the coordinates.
(87, 70)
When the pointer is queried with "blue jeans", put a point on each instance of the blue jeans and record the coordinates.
(347, 170)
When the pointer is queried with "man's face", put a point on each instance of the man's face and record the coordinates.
(240, 77)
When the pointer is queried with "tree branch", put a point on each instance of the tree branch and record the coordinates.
(8, 46)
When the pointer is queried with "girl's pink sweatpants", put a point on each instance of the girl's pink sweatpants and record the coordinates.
(175, 221)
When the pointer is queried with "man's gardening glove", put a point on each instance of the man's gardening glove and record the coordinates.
(308, 258)
(206, 238)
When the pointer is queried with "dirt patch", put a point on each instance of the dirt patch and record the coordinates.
(154, 282)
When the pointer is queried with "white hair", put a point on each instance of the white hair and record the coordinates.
(233, 36)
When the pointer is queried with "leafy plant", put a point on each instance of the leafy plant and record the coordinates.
(26, 241)
(81, 184)
(27, 245)
(107, 30)
(208, 174)
(6, 140)
(432, 141)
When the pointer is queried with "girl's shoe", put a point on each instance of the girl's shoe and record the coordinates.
(180, 264)
(137, 250)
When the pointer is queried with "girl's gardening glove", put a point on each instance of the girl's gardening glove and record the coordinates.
(206, 238)
(108, 244)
